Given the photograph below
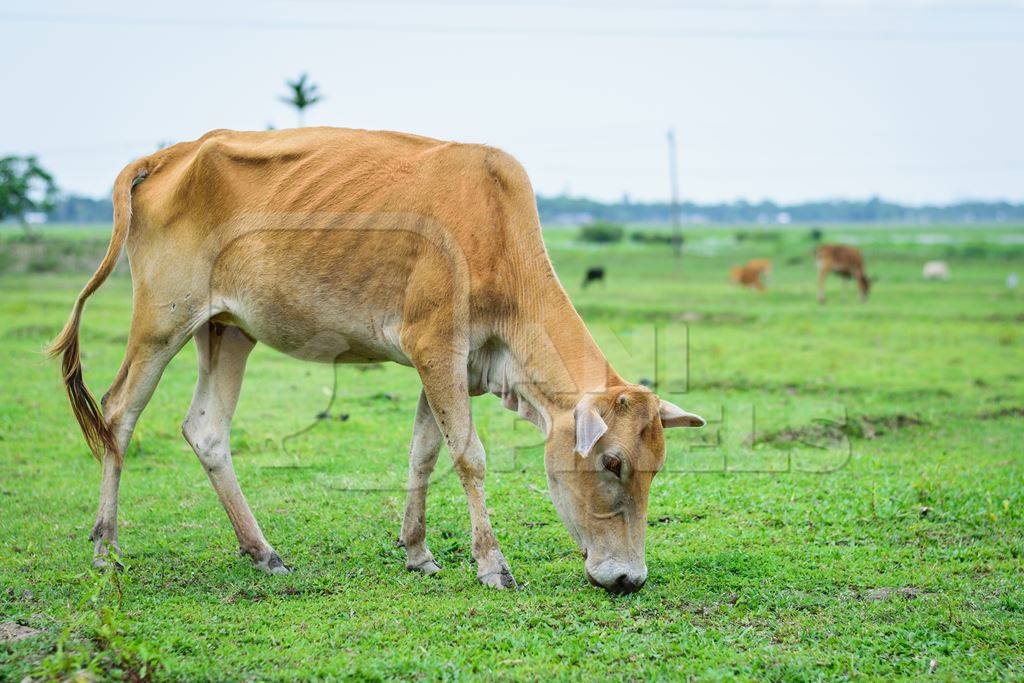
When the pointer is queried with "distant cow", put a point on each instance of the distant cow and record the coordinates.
(750, 275)
(595, 274)
(936, 270)
(846, 262)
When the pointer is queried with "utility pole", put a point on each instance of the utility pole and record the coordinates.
(677, 231)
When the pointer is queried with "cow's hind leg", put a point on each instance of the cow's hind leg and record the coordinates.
(426, 444)
(222, 352)
(148, 351)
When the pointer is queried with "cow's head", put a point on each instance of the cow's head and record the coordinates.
(865, 283)
(600, 461)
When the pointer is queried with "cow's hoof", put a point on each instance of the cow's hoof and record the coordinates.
(501, 579)
(272, 564)
(427, 567)
(104, 562)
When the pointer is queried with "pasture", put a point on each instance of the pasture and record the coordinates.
(854, 509)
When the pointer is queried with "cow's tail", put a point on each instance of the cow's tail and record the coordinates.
(87, 412)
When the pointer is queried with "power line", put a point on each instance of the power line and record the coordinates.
(883, 35)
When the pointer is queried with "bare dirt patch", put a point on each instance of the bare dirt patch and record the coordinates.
(830, 433)
(12, 632)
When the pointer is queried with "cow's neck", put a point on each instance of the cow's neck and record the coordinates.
(548, 360)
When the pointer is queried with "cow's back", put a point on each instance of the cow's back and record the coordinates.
(306, 170)
(840, 257)
(337, 178)
(339, 224)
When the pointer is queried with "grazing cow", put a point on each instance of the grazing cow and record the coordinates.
(595, 274)
(936, 270)
(846, 262)
(750, 275)
(339, 245)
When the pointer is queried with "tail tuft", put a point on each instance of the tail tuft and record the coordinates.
(84, 406)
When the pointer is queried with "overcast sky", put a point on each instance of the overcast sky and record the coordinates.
(912, 100)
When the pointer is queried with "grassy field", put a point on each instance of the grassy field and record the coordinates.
(855, 508)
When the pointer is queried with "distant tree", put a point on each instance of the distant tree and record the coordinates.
(71, 208)
(655, 237)
(302, 96)
(602, 232)
(25, 187)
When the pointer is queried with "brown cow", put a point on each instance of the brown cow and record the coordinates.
(339, 245)
(846, 262)
(750, 275)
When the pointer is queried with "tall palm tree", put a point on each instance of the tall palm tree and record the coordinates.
(303, 95)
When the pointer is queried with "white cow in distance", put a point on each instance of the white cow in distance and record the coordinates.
(936, 270)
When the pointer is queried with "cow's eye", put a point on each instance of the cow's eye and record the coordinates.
(613, 464)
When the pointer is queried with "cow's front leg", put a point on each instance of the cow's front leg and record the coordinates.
(822, 274)
(426, 444)
(444, 382)
(470, 463)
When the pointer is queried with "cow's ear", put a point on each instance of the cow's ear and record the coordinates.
(589, 427)
(674, 416)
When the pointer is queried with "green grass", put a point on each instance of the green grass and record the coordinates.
(886, 454)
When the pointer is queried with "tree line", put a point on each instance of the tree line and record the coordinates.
(565, 209)
(580, 210)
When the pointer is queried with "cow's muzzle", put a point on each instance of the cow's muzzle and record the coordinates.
(617, 578)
